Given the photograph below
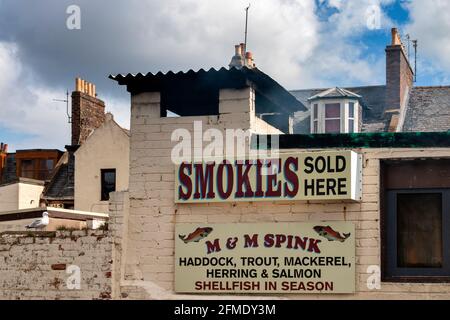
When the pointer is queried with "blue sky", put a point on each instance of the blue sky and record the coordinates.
(300, 43)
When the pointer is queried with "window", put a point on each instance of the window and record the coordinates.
(415, 220)
(418, 233)
(315, 118)
(45, 169)
(351, 117)
(108, 183)
(27, 169)
(333, 118)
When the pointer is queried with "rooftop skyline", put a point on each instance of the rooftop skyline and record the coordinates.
(301, 44)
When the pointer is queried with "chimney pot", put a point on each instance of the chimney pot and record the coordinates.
(237, 61)
(81, 85)
(396, 41)
(237, 50)
(77, 84)
(249, 60)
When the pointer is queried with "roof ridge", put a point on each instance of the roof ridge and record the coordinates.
(431, 87)
(345, 88)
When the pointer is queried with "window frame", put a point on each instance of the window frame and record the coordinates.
(315, 120)
(102, 174)
(348, 118)
(390, 272)
(325, 119)
(344, 118)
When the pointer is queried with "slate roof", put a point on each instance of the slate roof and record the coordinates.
(373, 101)
(428, 110)
(9, 173)
(62, 182)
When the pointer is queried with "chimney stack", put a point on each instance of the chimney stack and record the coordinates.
(88, 112)
(399, 80)
(3, 155)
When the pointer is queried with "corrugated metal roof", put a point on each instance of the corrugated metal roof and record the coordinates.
(212, 78)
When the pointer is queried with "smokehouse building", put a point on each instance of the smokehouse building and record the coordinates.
(240, 187)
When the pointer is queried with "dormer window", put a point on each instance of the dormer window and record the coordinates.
(332, 118)
(335, 111)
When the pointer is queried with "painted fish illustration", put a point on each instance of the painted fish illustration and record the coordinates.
(197, 235)
(330, 234)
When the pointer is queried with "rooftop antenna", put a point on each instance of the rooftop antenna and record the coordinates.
(246, 24)
(408, 40)
(67, 105)
(415, 59)
(414, 43)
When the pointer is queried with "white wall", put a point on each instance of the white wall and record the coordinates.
(152, 214)
(20, 195)
(107, 148)
(29, 195)
(9, 197)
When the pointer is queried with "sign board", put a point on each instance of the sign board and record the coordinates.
(265, 258)
(300, 176)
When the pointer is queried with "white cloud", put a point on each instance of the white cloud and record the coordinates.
(430, 24)
(26, 107)
(288, 40)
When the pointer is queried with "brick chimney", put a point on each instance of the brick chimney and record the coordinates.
(399, 80)
(88, 112)
(3, 155)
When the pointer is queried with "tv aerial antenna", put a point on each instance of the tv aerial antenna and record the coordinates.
(246, 27)
(414, 43)
(69, 117)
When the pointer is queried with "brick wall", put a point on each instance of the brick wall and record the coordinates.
(88, 113)
(33, 265)
(399, 77)
(149, 269)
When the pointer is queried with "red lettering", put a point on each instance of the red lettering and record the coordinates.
(204, 179)
(224, 194)
(185, 181)
(313, 245)
(280, 239)
(243, 178)
(268, 241)
(251, 242)
(259, 192)
(291, 177)
(272, 179)
(299, 242)
(212, 247)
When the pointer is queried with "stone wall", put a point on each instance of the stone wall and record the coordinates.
(39, 265)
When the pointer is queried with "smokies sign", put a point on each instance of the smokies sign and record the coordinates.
(294, 258)
(299, 176)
